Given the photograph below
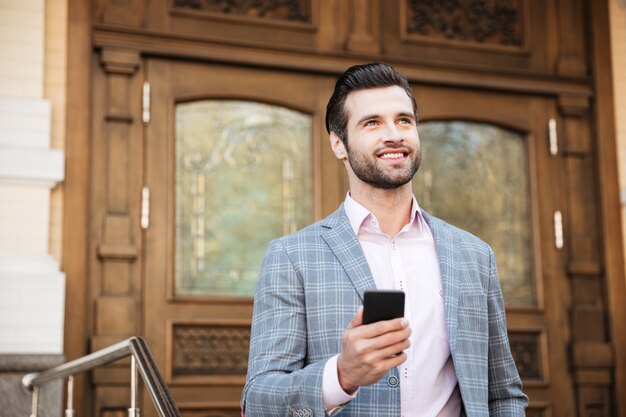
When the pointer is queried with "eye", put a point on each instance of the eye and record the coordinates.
(405, 120)
(370, 123)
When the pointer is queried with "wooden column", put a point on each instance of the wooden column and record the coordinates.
(76, 220)
(609, 201)
(572, 59)
(117, 162)
(591, 352)
(364, 27)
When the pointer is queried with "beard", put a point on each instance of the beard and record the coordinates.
(370, 172)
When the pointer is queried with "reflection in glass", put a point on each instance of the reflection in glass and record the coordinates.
(475, 176)
(241, 167)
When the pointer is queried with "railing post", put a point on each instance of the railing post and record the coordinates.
(133, 411)
(35, 402)
(69, 410)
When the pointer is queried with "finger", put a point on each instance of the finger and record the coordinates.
(388, 340)
(396, 360)
(383, 327)
(394, 350)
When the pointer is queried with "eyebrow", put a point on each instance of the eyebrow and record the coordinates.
(376, 116)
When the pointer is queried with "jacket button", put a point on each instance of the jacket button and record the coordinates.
(393, 381)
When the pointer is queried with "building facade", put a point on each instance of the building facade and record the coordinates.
(136, 138)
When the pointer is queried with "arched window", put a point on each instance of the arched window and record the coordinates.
(475, 176)
(242, 169)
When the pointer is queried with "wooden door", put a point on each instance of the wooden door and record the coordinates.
(501, 70)
(504, 183)
(200, 338)
(234, 157)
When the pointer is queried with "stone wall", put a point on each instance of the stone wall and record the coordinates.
(32, 287)
(16, 400)
(32, 118)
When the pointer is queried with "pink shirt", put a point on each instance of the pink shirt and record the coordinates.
(407, 262)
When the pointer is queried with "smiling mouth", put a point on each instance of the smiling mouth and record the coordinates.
(393, 155)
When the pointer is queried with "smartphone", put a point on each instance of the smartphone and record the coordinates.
(382, 305)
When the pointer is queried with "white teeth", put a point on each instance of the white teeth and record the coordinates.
(392, 155)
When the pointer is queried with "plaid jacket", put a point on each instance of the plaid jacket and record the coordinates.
(310, 286)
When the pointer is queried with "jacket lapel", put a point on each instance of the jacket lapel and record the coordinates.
(449, 273)
(340, 237)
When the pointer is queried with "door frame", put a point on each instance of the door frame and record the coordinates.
(84, 40)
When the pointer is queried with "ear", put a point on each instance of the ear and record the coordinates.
(337, 146)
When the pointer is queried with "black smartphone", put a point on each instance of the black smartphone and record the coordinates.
(382, 305)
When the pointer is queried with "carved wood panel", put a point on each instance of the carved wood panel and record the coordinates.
(490, 35)
(527, 354)
(210, 349)
(293, 10)
(479, 22)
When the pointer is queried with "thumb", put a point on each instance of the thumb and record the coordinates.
(357, 320)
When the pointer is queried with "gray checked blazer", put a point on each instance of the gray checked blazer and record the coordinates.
(310, 286)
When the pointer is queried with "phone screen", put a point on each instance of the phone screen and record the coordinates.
(382, 305)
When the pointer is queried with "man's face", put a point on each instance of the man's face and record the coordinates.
(383, 145)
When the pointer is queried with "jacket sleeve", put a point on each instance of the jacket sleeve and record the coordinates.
(506, 398)
(279, 381)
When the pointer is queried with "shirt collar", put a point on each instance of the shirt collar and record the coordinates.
(357, 214)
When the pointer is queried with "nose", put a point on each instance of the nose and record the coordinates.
(392, 134)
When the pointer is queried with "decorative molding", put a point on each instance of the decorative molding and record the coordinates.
(364, 27)
(534, 413)
(336, 65)
(25, 154)
(291, 10)
(210, 349)
(593, 355)
(19, 363)
(117, 251)
(27, 264)
(539, 408)
(570, 23)
(573, 105)
(584, 268)
(499, 22)
(120, 61)
(39, 167)
(114, 412)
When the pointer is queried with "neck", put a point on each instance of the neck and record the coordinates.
(391, 207)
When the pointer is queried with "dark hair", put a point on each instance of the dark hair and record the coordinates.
(361, 77)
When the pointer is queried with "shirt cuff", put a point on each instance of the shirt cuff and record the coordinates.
(333, 395)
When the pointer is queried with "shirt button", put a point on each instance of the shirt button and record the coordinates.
(392, 381)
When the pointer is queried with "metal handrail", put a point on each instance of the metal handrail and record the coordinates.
(135, 347)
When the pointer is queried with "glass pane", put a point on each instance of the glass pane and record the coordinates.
(475, 176)
(241, 170)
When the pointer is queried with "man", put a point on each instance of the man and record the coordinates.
(310, 354)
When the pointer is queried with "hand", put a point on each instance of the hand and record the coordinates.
(368, 351)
